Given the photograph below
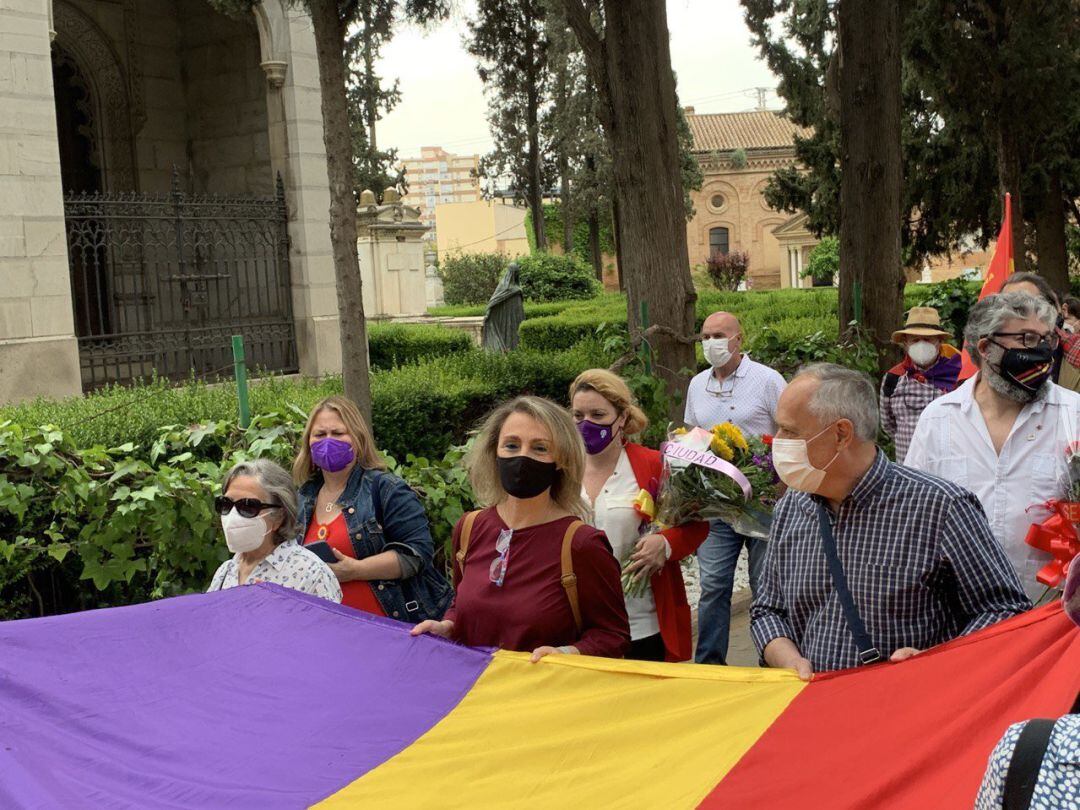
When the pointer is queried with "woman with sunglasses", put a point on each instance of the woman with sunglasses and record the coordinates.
(617, 472)
(258, 515)
(372, 520)
(529, 574)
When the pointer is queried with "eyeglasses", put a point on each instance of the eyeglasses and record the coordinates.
(247, 507)
(718, 390)
(497, 572)
(1030, 340)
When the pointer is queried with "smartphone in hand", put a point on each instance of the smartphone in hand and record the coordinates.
(322, 550)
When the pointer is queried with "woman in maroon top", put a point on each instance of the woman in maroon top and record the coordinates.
(526, 467)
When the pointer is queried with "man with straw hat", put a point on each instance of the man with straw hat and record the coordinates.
(929, 370)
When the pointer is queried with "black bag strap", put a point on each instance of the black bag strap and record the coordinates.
(868, 653)
(1026, 761)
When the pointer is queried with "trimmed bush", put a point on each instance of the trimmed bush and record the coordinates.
(471, 278)
(547, 277)
(533, 309)
(391, 345)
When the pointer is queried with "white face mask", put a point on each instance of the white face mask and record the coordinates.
(716, 351)
(791, 458)
(241, 533)
(922, 353)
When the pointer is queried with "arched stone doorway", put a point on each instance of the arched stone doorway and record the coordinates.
(94, 79)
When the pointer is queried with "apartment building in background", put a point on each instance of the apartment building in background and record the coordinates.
(440, 177)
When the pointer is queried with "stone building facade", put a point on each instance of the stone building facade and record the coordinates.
(115, 110)
(738, 152)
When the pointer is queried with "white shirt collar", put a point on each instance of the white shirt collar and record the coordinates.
(964, 396)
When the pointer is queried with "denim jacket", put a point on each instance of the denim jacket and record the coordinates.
(383, 513)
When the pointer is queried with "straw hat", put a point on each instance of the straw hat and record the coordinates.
(921, 322)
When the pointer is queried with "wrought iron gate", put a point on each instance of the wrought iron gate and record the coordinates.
(161, 282)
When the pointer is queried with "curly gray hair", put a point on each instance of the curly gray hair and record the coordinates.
(989, 315)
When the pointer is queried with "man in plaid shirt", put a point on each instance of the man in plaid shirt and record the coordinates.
(920, 561)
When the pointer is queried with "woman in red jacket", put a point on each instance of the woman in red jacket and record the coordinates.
(616, 472)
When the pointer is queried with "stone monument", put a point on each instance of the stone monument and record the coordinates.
(390, 246)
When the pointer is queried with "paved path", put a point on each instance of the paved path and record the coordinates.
(741, 650)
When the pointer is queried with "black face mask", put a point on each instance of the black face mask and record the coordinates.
(525, 477)
(1028, 369)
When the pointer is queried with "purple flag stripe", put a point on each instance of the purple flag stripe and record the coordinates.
(252, 697)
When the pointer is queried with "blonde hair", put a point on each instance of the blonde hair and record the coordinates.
(614, 389)
(363, 443)
(567, 450)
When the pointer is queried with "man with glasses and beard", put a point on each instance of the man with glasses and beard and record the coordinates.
(1004, 433)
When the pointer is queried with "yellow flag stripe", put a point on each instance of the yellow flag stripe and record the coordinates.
(582, 732)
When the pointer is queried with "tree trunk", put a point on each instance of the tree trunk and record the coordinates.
(330, 49)
(565, 206)
(595, 255)
(372, 94)
(532, 113)
(1008, 131)
(871, 279)
(631, 68)
(617, 236)
(1050, 235)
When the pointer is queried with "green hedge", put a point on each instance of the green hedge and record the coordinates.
(533, 309)
(471, 278)
(793, 314)
(391, 345)
(420, 408)
(88, 528)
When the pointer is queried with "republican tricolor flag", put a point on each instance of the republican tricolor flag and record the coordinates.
(267, 698)
(1001, 267)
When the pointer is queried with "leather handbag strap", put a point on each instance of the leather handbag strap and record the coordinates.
(868, 653)
(569, 578)
(463, 541)
(1026, 761)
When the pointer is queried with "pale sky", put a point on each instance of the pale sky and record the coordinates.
(443, 103)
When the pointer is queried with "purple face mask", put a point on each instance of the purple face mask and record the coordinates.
(596, 437)
(332, 455)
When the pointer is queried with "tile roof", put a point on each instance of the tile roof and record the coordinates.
(761, 129)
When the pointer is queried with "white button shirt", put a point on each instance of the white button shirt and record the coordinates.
(952, 442)
(746, 398)
(614, 515)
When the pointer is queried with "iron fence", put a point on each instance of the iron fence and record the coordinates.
(160, 282)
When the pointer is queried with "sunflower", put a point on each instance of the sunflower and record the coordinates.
(732, 435)
(721, 448)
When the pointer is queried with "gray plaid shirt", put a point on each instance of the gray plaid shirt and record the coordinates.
(920, 561)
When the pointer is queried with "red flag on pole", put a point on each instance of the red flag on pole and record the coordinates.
(1001, 267)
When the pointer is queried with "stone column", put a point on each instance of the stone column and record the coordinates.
(294, 104)
(38, 351)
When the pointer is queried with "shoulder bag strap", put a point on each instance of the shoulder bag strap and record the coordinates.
(569, 578)
(463, 541)
(1026, 761)
(868, 653)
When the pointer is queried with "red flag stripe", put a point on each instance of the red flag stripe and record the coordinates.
(913, 734)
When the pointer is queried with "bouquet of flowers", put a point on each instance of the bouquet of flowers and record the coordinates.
(718, 474)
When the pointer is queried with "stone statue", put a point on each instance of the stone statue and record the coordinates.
(505, 312)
